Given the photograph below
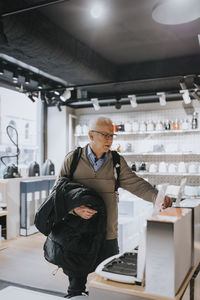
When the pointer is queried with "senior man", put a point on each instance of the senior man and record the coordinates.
(95, 170)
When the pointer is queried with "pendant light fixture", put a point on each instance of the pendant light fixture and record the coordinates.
(174, 12)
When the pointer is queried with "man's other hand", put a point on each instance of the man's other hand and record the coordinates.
(84, 212)
(167, 202)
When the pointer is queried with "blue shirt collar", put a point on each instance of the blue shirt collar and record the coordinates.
(96, 163)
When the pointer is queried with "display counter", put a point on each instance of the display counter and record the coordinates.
(110, 290)
(169, 264)
(30, 191)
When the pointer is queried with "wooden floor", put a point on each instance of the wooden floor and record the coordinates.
(22, 261)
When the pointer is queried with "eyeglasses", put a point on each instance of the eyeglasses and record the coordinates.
(107, 136)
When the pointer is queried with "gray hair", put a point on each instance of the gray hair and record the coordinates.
(95, 122)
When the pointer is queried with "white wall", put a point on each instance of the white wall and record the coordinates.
(56, 136)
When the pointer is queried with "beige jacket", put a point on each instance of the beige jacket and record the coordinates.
(103, 181)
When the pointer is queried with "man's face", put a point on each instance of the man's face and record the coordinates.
(102, 137)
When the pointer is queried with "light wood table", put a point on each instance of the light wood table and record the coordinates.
(111, 290)
(3, 213)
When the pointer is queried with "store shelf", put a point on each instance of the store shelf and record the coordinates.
(158, 132)
(178, 131)
(167, 174)
(158, 153)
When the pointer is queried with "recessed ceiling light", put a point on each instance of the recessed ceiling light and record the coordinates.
(173, 12)
(97, 10)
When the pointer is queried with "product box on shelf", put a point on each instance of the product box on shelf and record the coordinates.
(194, 204)
(168, 251)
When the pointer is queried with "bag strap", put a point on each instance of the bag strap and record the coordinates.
(75, 160)
(116, 165)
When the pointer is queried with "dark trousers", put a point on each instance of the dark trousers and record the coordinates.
(77, 284)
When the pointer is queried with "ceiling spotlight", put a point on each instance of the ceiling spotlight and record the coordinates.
(186, 96)
(78, 94)
(66, 95)
(173, 12)
(118, 104)
(196, 82)
(95, 103)
(195, 95)
(31, 97)
(97, 10)
(47, 98)
(133, 100)
(1, 69)
(183, 84)
(162, 98)
(15, 76)
(58, 106)
(40, 86)
(27, 79)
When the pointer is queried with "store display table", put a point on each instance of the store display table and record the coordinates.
(110, 290)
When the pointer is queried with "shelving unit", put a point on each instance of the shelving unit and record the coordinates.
(178, 131)
(159, 154)
(156, 146)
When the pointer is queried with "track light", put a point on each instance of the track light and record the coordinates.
(196, 82)
(162, 98)
(118, 104)
(27, 79)
(66, 95)
(30, 96)
(133, 100)
(58, 106)
(1, 69)
(79, 94)
(195, 95)
(40, 86)
(15, 76)
(95, 103)
(186, 96)
(183, 84)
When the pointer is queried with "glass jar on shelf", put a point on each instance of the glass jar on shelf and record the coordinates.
(143, 126)
(150, 126)
(167, 125)
(195, 120)
(159, 126)
(128, 126)
(135, 126)
(176, 125)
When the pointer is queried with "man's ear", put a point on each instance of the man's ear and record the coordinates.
(90, 133)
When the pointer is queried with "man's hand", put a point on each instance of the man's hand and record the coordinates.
(85, 212)
(167, 202)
